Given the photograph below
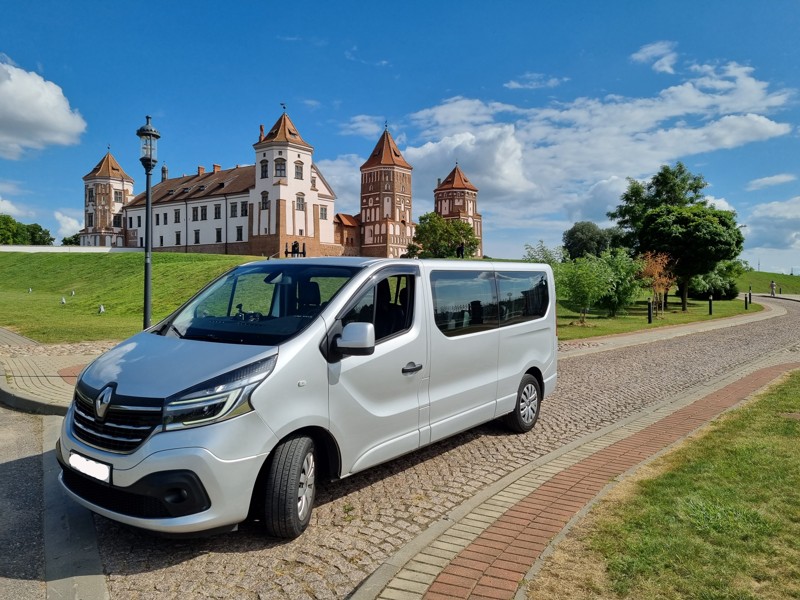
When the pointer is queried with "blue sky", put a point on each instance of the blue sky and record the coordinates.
(547, 106)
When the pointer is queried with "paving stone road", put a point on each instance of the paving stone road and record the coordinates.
(360, 522)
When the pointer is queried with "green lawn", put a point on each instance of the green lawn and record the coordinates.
(114, 280)
(759, 281)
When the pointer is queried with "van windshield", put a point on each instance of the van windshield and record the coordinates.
(259, 304)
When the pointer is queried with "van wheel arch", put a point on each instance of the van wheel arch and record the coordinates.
(327, 464)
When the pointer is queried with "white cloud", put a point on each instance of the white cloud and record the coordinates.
(9, 208)
(662, 55)
(719, 203)
(775, 225)
(570, 160)
(344, 176)
(364, 125)
(759, 184)
(534, 81)
(34, 113)
(67, 225)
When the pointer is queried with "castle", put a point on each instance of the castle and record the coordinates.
(279, 204)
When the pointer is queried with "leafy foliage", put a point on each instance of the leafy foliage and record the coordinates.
(12, 232)
(437, 237)
(624, 283)
(72, 240)
(720, 283)
(542, 254)
(696, 237)
(586, 237)
(583, 282)
(669, 187)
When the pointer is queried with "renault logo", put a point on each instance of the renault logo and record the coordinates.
(102, 402)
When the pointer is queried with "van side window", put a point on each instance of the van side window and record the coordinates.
(388, 305)
(523, 296)
(464, 301)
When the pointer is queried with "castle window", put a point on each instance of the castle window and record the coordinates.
(323, 213)
(165, 218)
(298, 170)
(130, 222)
(203, 213)
(177, 217)
(301, 202)
(90, 220)
(219, 234)
(118, 221)
(90, 194)
(239, 235)
(139, 221)
(264, 200)
(161, 240)
(217, 211)
(117, 195)
(194, 213)
(234, 209)
(177, 238)
(196, 236)
(157, 219)
(280, 167)
(243, 210)
(264, 169)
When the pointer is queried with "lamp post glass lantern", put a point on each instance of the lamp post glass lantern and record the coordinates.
(148, 135)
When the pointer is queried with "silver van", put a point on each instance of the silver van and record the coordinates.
(283, 372)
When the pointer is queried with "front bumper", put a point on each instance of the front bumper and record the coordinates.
(177, 482)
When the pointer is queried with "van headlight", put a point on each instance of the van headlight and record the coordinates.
(218, 399)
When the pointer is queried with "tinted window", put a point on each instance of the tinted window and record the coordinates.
(388, 305)
(523, 296)
(464, 301)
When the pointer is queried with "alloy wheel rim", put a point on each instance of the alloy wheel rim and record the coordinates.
(528, 404)
(305, 491)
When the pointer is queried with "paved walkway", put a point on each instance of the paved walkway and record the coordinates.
(487, 546)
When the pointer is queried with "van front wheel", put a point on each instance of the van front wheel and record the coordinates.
(526, 411)
(290, 487)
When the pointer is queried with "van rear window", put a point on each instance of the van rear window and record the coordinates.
(464, 301)
(470, 301)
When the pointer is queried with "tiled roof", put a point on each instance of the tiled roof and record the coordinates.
(456, 181)
(202, 186)
(107, 167)
(386, 153)
(348, 220)
(283, 131)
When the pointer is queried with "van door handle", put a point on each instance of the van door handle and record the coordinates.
(411, 368)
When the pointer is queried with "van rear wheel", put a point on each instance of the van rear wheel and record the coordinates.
(526, 411)
(290, 487)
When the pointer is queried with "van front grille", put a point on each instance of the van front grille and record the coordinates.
(123, 429)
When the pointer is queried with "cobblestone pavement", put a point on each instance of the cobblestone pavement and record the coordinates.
(361, 521)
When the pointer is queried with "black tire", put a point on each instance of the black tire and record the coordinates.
(290, 487)
(526, 410)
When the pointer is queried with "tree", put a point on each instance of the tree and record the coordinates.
(12, 232)
(437, 237)
(720, 283)
(669, 187)
(586, 237)
(542, 254)
(72, 240)
(656, 275)
(583, 282)
(696, 237)
(624, 283)
(38, 236)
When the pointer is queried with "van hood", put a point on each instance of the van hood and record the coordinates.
(154, 366)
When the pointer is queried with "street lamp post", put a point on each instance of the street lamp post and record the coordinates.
(149, 137)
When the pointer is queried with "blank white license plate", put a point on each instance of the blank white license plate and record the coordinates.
(90, 467)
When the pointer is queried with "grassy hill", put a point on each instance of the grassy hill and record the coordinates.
(790, 284)
(114, 280)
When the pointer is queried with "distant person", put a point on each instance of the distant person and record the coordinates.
(772, 287)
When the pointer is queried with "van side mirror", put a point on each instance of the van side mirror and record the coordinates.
(357, 339)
